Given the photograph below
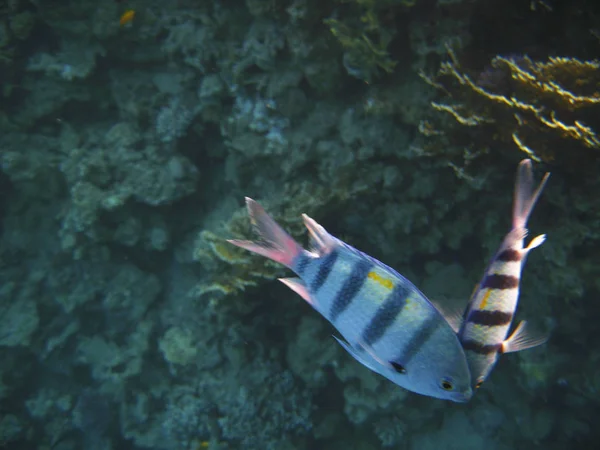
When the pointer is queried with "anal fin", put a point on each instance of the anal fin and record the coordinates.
(522, 339)
(296, 285)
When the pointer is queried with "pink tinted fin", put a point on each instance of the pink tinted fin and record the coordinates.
(276, 244)
(525, 197)
(321, 240)
(296, 285)
(522, 339)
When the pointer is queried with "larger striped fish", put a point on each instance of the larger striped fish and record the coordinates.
(490, 312)
(387, 323)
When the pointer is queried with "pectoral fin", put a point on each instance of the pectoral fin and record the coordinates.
(452, 311)
(362, 358)
(522, 339)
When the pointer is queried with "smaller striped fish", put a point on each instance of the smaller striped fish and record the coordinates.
(489, 314)
(387, 323)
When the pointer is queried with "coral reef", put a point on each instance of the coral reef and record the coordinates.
(547, 109)
(125, 154)
(234, 270)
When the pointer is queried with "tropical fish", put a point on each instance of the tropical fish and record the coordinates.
(126, 17)
(388, 325)
(489, 314)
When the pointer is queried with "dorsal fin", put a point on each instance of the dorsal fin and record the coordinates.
(321, 241)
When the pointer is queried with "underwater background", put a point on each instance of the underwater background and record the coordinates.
(130, 132)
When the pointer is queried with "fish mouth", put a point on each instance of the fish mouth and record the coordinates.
(463, 397)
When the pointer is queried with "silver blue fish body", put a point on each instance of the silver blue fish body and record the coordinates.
(386, 322)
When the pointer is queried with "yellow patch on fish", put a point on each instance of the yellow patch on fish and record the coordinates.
(385, 282)
(409, 303)
(485, 299)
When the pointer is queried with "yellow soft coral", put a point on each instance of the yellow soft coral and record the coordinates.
(365, 38)
(541, 107)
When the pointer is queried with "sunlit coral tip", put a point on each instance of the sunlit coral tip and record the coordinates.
(126, 17)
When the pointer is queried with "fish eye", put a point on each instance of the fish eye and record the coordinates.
(446, 385)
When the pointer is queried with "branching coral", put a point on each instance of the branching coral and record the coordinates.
(547, 109)
(363, 58)
(364, 37)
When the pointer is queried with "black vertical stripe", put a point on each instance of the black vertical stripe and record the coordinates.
(419, 339)
(301, 263)
(386, 314)
(350, 288)
(496, 281)
(481, 349)
(509, 255)
(489, 318)
(324, 270)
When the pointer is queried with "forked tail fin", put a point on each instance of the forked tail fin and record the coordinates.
(275, 243)
(525, 197)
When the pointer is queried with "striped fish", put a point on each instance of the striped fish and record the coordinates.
(387, 323)
(489, 314)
